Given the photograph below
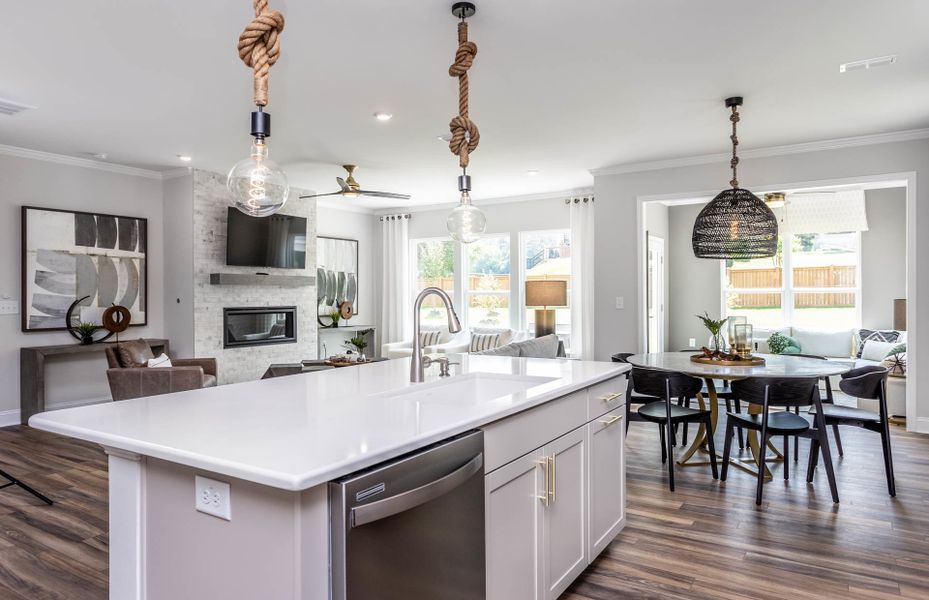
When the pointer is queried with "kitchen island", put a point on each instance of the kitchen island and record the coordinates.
(552, 464)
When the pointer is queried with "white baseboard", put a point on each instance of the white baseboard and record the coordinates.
(9, 417)
(922, 425)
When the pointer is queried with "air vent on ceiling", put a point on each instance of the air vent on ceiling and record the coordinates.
(868, 63)
(9, 108)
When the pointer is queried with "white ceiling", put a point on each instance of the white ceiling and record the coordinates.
(561, 87)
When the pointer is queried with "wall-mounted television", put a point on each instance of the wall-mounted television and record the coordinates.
(278, 241)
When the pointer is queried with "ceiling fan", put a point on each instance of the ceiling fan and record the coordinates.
(352, 189)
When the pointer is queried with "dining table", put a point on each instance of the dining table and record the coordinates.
(774, 365)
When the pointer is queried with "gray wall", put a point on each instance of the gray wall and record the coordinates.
(883, 257)
(179, 256)
(694, 282)
(53, 185)
(696, 285)
(361, 226)
(616, 227)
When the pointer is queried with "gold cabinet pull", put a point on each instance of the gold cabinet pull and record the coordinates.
(611, 420)
(611, 397)
(552, 492)
(544, 464)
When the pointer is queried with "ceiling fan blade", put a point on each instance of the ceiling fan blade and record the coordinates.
(384, 195)
(321, 195)
(342, 184)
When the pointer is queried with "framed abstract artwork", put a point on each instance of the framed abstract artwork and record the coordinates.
(69, 255)
(336, 273)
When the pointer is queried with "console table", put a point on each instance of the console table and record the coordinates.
(32, 370)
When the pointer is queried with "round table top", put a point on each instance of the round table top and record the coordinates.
(776, 365)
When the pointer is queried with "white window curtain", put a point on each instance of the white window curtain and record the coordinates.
(582, 276)
(396, 303)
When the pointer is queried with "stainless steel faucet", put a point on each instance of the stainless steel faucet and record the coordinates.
(417, 367)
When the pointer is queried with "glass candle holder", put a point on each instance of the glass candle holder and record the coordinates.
(732, 322)
(743, 339)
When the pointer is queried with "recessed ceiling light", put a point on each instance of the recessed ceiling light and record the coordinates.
(184, 157)
(382, 116)
(443, 138)
(868, 63)
(532, 172)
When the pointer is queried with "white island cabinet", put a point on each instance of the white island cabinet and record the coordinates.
(222, 492)
(550, 511)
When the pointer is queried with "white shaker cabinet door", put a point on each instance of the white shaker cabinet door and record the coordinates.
(565, 518)
(607, 470)
(513, 514)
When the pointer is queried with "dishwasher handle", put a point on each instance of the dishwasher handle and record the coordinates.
(381, 509)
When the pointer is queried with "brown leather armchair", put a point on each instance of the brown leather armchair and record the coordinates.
(129, 376)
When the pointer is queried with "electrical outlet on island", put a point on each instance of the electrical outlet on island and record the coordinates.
(212, 497)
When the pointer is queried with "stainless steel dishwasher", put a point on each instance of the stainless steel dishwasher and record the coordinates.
(412, 528)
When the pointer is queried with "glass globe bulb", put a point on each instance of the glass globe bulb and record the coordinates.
(257, 186)
(466, 222)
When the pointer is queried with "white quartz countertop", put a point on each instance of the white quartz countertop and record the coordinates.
(298, 431)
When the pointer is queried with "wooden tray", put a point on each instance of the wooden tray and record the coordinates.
(755, 361)
(347, 364)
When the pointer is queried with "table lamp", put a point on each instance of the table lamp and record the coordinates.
(546, 293)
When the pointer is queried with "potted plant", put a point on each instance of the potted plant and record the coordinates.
(335, 315)
(86, 331)
(359, 342)
(715, 328)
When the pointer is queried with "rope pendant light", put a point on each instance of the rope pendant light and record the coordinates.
(256, 184)
(736, 224)
(466, 222)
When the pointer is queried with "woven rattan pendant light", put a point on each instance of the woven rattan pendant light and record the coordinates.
(736, 224)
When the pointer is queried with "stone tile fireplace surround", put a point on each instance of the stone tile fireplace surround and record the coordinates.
(239, 363)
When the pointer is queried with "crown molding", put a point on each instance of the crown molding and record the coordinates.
(74, 161)
(833, 144)
(558, 195)
(175, 173)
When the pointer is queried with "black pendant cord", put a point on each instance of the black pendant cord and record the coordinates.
(734, 163)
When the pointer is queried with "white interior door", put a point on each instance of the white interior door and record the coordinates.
(655, 305)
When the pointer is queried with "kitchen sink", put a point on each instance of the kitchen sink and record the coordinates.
(472, 388)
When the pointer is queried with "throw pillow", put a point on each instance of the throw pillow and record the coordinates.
(134, 353)
(543, 347)
(484, 341)
(508, 350)
(876, 351)
(896, 363)
(898, 349)
(779, 343)
(878, 336)
(159, 362)
(429, 338)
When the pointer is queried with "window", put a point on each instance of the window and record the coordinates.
(813, 281)
(434, 265)
(547, 255)
(488, 282)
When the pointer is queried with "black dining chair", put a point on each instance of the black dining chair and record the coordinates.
(666, 413)
(870, 383)
(723, 392)
(631, 397)
(786, 392)
(829, 399)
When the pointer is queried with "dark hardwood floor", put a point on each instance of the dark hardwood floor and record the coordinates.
(706, 540)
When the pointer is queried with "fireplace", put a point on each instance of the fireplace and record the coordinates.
(259, 326)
